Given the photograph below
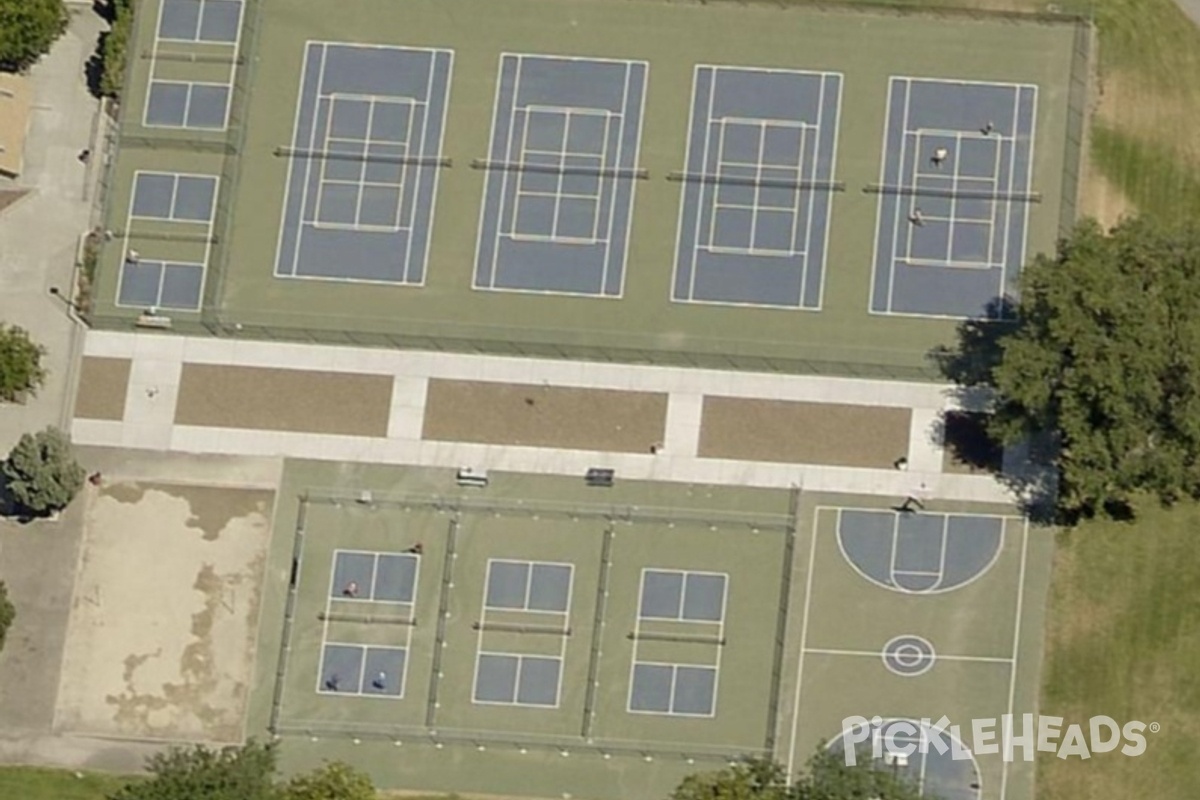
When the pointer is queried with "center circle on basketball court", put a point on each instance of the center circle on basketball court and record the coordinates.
(919, 553)
(909, 655)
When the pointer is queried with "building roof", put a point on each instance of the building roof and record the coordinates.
(15, 102)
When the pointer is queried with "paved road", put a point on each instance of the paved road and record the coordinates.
(40, 234)
(1191, 8)
(38, 240)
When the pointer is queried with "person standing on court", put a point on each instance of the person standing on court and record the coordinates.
(939, 157)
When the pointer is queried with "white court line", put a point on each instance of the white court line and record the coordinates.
(600, 196)
(683, 191)
(418, 171)
(362, 167)
(953, 199)
(997, 210)
(433, 190)
(704, 187)
(720, 645)
(957, 82)
(487, 184)
(291, 169)
(1028, 179)
(812, 555)
(325, 621)
(637, 640)
(884, 152)
(483, 607)
(509, 139)
(758, 188)
(612, 182)
(558, 179)
(1008, 206)
(812, 198)
(899, 206)
(306, 185)
(637, 155)
(945, 549)
(562, 650)
(767, 121)
(715, 186)
(1012, 681)
(826, 200)
(331, 106)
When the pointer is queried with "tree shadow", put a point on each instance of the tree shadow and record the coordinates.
(970, 365)
(93, 70)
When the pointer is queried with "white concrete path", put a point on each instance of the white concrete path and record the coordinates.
(158, 362)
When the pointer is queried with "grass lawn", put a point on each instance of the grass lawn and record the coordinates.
(35, 783)
(1124, 640)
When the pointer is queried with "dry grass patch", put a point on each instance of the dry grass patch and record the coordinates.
(544, 416)
(1123, 639)
(259, 398)
(803, 433)
(103, 385)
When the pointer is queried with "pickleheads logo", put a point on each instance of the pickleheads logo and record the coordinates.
(1005, 736)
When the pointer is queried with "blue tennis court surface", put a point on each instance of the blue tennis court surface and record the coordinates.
(561, 167)
(756, 187)
(364, 160)
(954, 197)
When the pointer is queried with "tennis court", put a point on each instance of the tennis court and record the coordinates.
(363, 163)
(754, 219)
(955, 197)
(419, 178)
(561, 168)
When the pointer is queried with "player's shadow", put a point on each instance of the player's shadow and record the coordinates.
(971, 442)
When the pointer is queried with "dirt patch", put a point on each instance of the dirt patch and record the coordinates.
(544, 416)
(164, 619)
(103, 383)
(9, 197)
(211, 509)
(259, 398)
(803, 433)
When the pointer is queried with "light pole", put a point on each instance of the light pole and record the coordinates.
(54, 290)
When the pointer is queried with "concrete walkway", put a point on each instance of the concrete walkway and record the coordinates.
(148, 420)
(1191, 8)
(39, 236)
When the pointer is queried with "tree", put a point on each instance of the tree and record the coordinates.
(751, 779)
(28, 28)
(1105, 356)
(334, 781)
(200, 773)
(828, 778)
(42, 474)
(20, 359)
(8, 613)
(116, 44)
(240, 773)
